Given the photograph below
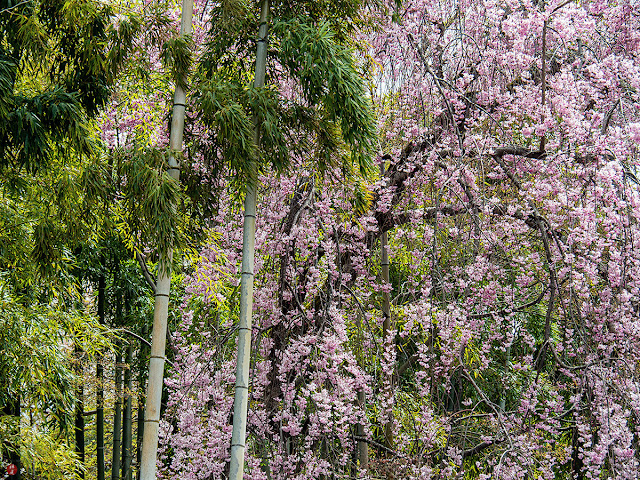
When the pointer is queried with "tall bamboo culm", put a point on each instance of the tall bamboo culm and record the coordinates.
(126, 416)
(163, 286)
(100, 384)
(241, 397)
(117, 416)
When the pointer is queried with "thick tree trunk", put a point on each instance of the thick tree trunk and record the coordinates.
(117, 416)
(100, 388)
(163, 286)
(241, 397)
(126, 417)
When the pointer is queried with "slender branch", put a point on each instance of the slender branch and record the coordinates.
(518, 151)
(145, 271)
(607, 117)
(135, 335)
(402, 368)
(436, 80)
(564, 4)
(564, 366)
(488, 402)
(553, 286)
(543, 139)
(511, 310)
(514, 180)
(480, 447)
(379, 446)
(363, 312)
(14, 6)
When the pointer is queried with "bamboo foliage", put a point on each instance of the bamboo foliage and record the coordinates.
(52, 79)
(331, 117)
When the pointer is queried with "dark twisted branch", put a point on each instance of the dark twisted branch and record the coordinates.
(480, 447)
(506, 311)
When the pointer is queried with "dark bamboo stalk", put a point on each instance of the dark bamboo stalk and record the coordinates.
(363, 447)
(386, 326)
(117, 416)
(79, 416)
(126, 417)
(141, 381)
(361, 460)
(100, 387)
(140, 432)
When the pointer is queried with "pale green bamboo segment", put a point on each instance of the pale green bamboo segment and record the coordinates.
(163, 288)
(241, 396)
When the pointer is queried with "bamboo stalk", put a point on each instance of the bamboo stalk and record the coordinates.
(126, 417)
(163, 287)
(241, 395)
(140, 414)
(100, 387)
(79, 420)
(386, 325)
(117, 417)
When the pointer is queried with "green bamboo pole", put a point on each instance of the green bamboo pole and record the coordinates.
(241, 397)
(163, 287)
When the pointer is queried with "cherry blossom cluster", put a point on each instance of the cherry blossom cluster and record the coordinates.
(509, 139)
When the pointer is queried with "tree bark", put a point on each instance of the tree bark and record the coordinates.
(163, 286)
(241, 397)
